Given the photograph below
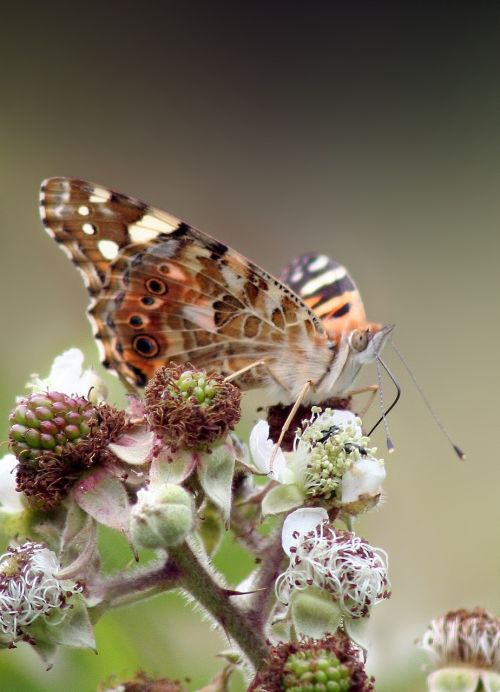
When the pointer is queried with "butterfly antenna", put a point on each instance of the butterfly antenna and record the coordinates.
(460, 454)
(383, 418)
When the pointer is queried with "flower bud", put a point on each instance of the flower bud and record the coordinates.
(162, 517)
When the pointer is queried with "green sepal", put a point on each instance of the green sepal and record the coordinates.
(215, 472)
(282, 498)
(314, 613)
(210, 528)
(453, 680)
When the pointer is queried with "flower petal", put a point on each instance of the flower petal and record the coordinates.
(300, 522)
(10, 499)
(363, 478)
(134, 447)
(261, 447)
(282, 498)
(66, 377)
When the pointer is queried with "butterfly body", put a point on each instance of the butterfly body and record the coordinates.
(164, 291)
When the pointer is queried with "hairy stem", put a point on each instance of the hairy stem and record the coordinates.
(124, 588)
(201, 585)
(272, 557)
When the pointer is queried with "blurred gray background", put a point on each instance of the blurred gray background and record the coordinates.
(356, 130)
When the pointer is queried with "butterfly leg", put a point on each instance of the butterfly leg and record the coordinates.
(256, 364)
(302, 394)
(372, 388)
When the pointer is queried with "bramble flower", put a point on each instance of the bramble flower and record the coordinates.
(331, 464)
(189, 409)
(331, 663)
(464, 646)
(31, 591)
(68, 377)
(333, 575)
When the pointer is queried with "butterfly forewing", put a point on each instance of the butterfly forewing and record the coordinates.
(162, 290)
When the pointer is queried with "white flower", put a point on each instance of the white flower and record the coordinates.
(330, 462)
(329, 565)
(10, 499)
(464, 645)
(67, 377)
(29, 589)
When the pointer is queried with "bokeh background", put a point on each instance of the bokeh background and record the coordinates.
(366, 132)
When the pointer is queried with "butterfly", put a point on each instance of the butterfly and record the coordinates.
(164, 291)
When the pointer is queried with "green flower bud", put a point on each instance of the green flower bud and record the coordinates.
(162, 517)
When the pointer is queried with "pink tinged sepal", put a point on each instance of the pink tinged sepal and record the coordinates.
(78, 557)
(103, 497)
(300, 522)
(168, 467)
(282, 498)
(215, 472)
(134, 447)
(314, 613)
(456, 680)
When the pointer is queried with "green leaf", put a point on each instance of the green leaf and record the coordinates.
(215, 471)
(282, 498)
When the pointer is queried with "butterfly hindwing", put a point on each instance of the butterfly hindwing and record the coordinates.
(327, 288)
(162, 290)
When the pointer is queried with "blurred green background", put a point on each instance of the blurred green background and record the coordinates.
(366, 133)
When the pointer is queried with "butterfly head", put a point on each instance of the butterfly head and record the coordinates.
(366, 343)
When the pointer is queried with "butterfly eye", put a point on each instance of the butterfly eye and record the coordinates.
(145, 346)
(156, 286)
(359, 339)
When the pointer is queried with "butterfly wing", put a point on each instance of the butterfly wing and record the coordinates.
(163, 291)
(327, 288)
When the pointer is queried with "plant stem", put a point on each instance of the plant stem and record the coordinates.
(199, 582)
(272, 557)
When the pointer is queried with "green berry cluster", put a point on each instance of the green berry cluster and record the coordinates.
(197, 387)
(45, 423)
(315, 671)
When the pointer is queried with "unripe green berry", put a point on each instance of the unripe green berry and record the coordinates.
(163, 517)
(47, 423)
(315, 670)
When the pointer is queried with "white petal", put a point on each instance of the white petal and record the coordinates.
(261, 447)
(344, 419)
(301, 521)
(363, 478)
(66, 377)
(10, 499)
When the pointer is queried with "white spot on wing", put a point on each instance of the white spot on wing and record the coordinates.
(100, 195)
(319, 263)
(108, 249)
(325, 279)
(297, 275)
(83, 210)
(88, 229)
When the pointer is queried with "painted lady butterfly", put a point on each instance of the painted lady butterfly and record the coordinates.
(163, 291)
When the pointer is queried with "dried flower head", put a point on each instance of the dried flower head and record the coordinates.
(189, 409)
(331, 663)
(337, 562)
(144, 683)
(464, 638)
(29, 589)
(56, 438)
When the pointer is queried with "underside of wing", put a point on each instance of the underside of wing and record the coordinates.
(327, 288)
(163, 291)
